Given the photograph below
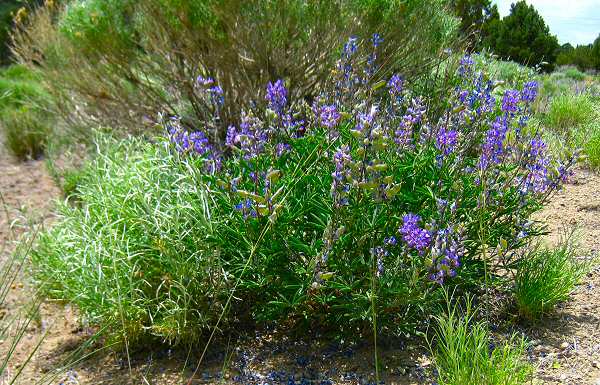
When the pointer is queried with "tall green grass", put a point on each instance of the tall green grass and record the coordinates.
(570, 112)
(465, 353)
(546, 277)
(570, 119)
(24, 121)
(132, 256)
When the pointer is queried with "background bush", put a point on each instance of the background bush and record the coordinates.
(25, 122)
(120, 62)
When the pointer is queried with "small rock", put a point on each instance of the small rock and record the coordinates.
(596, 364)
(564, 345)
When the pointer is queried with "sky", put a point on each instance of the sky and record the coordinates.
(572, 21)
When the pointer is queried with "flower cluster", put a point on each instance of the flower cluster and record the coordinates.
(276, 96)
(342, 176)
(210, 88)
(414, 236)
(446, 251)
(250, 138)
(329, 116)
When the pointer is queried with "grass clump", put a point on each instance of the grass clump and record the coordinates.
(132, 256)
(574, 73)
(546, 277)
(24, 121)
(465, 353)
(591, 148)
(25, 132)
(570, 112)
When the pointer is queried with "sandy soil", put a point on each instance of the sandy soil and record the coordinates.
(565, 345)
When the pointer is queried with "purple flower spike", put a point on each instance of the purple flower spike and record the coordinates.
(276, 96)
(446, 140)
(510, 101)
(396, 85)
(414, 236)
(329, 116)
(529, 92)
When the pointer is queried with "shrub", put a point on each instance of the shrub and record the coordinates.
(510, 72)
(120, 61)
(547, 277)
(353, 212)
(465, 354)
(25, 132)
(570, 113)
(591, 147)
(575, 74)
(24, 122)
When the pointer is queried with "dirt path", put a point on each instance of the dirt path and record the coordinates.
(566, 345)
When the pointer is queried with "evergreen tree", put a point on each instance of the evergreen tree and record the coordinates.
(524, 37)
(478, 18)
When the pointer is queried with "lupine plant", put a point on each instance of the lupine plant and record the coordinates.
(362, 195)
(355, 209)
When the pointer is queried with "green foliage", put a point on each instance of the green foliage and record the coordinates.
(546, 277)
(524, 37)
(150, 270)
(574, 74)
(512, 73)
(584, 57)
(7, 8)
(98, 24)
(25, 124)
(25, 132)
(479, 18)
(464, 353)
(569, 112)
(591, 147)
(169, 240)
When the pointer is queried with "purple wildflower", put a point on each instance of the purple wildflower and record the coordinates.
(276, 96)
(465, 66)
(341, 176)
(529, 92)
(414, 236)
(329, 116)
(446, 252)
(510, 101)
(376, 40)
(537, 179)
(350, 47)
(379, 253)
(395, 85)
(446, 140)
(282, 148)
(493, 147)
(202, 81)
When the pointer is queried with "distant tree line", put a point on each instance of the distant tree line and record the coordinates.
(522, 36)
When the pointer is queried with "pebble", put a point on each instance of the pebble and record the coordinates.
(564, 345)
(596, 364)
